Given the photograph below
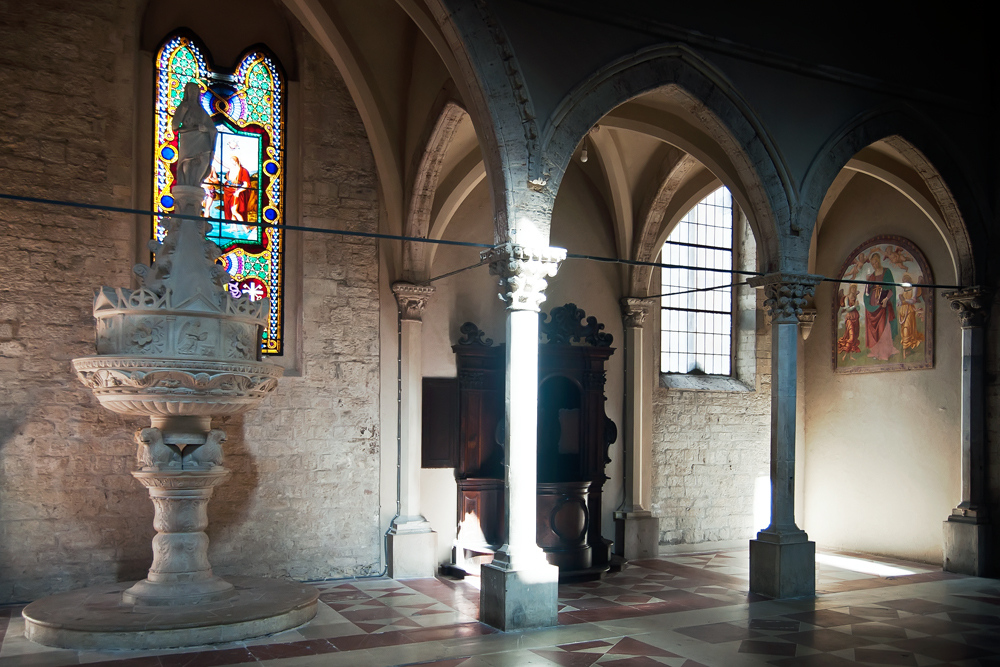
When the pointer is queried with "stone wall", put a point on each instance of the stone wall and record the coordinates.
(303, 501)
(710, 447)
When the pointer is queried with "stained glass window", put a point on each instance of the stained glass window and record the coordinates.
(696, 320)
(245, 186)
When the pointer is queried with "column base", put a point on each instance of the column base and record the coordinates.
(174, 592)
(966, 547)
(637, 535)
(519, 599)
(411, 554)
(782, 569)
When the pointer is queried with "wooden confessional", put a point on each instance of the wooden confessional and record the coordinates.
(574, 435)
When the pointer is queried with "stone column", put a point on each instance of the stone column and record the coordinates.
(520, 587)
(782, 559)
(637, 531)
(967, 530)
(411, 547)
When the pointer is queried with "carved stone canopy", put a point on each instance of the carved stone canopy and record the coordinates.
(411, 300)
(634, 311)
(567, 326)
(786, 294)
(972, 305)
(522, 272)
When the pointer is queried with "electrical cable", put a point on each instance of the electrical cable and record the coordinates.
(417, 239)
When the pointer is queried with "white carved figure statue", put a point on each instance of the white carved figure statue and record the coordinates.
(153, 453)
(208, 455)
(196, 137)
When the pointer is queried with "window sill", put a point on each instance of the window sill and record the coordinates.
(702, 383)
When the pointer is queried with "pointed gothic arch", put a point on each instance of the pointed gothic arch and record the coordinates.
(916, 140)
(759, 174)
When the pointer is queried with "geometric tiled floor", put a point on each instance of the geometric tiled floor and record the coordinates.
(682, 611)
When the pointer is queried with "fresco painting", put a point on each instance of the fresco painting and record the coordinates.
(885, 320)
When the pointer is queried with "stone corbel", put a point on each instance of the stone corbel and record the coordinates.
(972, 305)
(806, 321)
(634, 311)
(522, 272)
(786, 295)
(411, 300)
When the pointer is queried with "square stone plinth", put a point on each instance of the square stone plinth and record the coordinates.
(966, 548)
(519, 599)
(412, 555)
(783, 570)
(637, 535)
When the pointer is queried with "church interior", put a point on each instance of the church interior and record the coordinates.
(578, 333)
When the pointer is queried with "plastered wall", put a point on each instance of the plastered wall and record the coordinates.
(882, 449)
(303, 500)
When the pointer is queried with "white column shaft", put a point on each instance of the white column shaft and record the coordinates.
(637, 457)
(521, 462)
(411, 408)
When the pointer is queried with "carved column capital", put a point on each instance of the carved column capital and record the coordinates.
(522, 271)
(972, 305)
(634, 311)
(786, 294)
(411, 300)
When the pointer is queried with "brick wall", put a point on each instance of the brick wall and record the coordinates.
(303, 500)
(709, 447)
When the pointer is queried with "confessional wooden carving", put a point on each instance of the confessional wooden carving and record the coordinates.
(574, 435)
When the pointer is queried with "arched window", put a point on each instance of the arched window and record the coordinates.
(246, 184)
(697, 320)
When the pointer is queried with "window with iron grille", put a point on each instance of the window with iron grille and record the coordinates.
(697, 321)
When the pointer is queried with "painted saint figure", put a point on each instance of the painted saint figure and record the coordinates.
(236, 194)
(850, 342)
(195, 137)
(910, 337)
(880, 312)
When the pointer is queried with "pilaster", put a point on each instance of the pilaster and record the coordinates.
(520, 587)
(967, 530)
(782, 559)
(411, 546)
(637, 531)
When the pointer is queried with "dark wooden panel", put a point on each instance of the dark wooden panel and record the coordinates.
(439, 435)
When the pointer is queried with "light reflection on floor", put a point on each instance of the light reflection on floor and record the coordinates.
(683, 610)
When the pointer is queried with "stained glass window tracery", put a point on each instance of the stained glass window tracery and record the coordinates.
(246, 182)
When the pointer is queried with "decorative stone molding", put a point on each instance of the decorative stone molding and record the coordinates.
(786, 294)
(634, 311)
(162, 387)
(411, 300)
(565, 327)
(806, 320)
(522, 271)
(972, 305)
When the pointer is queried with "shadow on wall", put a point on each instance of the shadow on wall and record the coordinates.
(230, 506)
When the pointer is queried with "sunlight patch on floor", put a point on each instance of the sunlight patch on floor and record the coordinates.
(862, 565)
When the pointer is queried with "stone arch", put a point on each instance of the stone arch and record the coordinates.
(653, 214)
(917, 141)
(724, 116)
(425, 183)
(502, 113)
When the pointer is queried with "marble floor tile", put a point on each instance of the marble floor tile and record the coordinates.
(688, 610)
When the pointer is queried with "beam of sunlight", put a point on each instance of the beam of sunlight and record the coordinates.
(863, 566)
(762, 502)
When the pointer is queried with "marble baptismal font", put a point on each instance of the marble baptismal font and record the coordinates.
(179, 350)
